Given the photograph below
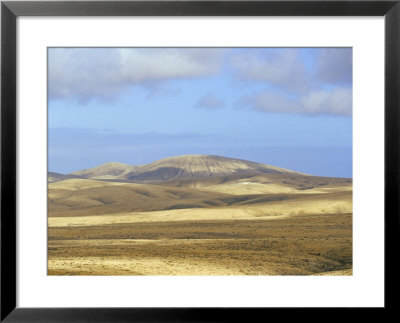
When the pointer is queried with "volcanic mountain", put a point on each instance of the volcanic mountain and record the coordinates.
(188, 166)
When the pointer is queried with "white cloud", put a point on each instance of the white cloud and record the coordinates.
(287, 68)
(147, 65)
(337, 101)
(303, 81)
(86, 73)
(297, 80)
(281, 67)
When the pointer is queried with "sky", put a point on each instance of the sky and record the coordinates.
(286, 107)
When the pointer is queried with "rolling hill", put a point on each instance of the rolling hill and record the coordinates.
(187, 182)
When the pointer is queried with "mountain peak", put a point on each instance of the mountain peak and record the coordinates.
(197, 166)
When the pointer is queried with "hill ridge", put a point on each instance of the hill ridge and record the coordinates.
(110, 170)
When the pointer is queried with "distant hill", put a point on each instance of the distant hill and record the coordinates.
(199, 166)
(176, 168)
(113, 170)
(55, 177)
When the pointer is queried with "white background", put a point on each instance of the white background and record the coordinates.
(364, 288)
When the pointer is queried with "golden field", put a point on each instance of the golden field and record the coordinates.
(239, 224)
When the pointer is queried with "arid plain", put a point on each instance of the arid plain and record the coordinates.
(198, 215)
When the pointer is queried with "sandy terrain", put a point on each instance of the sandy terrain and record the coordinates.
(302, 246)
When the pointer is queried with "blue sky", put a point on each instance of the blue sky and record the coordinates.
(288, 107)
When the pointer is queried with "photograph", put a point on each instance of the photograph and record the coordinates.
(193, 161)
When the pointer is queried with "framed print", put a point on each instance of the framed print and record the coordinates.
(174, 161)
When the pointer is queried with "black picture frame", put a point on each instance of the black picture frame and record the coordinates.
(10, 10)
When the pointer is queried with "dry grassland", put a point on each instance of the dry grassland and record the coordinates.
(262, 225)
